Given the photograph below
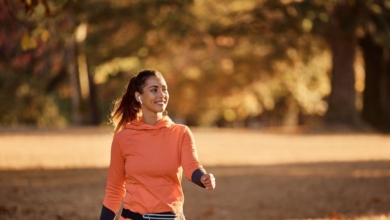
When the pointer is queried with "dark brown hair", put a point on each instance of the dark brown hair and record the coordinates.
(126, 107)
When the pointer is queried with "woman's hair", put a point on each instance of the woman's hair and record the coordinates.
(126, 107)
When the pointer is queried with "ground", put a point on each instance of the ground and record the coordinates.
(260, 175)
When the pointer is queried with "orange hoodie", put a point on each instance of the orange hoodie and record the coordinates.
(147, 163)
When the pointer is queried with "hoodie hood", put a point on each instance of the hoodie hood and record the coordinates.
(138, 124)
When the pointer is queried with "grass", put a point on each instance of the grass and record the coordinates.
(260, 175)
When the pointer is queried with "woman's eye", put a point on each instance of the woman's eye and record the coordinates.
(154, 90)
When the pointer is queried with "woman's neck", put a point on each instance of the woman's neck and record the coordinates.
(151, 119)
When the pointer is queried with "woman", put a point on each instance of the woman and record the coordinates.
(149, 154)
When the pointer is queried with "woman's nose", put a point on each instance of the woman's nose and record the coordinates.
(160, 93)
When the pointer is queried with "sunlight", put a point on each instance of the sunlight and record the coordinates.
(90, 148)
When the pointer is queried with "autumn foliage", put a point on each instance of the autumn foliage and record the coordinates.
(228, 63)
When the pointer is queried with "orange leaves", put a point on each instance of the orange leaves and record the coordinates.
(30, 40)
(334, 215)
(208, 212)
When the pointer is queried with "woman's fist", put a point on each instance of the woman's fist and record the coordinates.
(208, 181)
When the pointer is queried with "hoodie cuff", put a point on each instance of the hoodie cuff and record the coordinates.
(107, 214)
(196, 175)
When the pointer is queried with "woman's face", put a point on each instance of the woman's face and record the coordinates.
(155, 95)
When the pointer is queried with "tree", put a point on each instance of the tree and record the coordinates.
(234, 62)
(375, 42)
(25, 69)
(341, 23)
(50, 27)
(343, 43)
(376, 108)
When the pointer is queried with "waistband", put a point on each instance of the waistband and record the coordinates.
(126, 213)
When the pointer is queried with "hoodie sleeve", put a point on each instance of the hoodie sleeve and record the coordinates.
(193, 169)
(115, 189)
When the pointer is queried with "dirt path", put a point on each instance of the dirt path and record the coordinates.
(259, 175)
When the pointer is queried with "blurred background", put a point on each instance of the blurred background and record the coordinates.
(288, 100)
(228, 63)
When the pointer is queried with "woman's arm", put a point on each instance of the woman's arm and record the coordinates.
(193, 169)
(115, 182)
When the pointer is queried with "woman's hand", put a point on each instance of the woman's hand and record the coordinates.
(208, 181)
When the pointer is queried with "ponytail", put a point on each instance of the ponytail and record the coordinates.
(126, 107)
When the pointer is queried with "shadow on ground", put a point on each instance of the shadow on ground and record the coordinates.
(334, 190)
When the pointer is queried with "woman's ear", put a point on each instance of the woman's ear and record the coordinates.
(138, 97)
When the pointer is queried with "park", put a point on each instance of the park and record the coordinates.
(288, 101)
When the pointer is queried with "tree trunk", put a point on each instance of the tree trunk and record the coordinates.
(376, 97)
(93, 102)
(387, 92)
(343, 42)
(71, 63)
(387, 110)
(87, 84)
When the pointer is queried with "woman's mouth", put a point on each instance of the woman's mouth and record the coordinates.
(160, 103)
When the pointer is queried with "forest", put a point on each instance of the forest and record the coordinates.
(228, 63)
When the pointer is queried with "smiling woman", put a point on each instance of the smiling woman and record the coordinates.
(154, 98)
(147, 91)
(149, 155)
